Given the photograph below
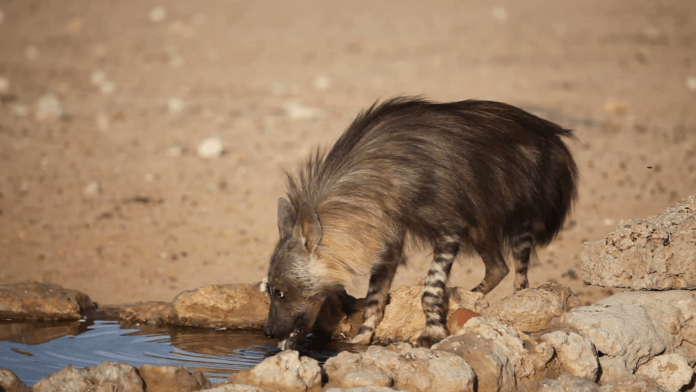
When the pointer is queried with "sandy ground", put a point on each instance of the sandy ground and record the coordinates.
(112, 198)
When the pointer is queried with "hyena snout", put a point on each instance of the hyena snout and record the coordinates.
(290, 321)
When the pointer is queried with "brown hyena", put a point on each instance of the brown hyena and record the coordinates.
(462, 177)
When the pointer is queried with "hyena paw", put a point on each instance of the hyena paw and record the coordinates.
(430, 338)
(362, 338)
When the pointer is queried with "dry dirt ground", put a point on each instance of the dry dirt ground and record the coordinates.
(112, 198)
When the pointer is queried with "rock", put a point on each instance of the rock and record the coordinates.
(92, 189)
(102, 121)
(499, 351)
(400, 366)
(19, 110)
(152, 313)
(4, 85)
(235, 388)
(691, 83)
(404, 320)
(532, 309)
(670, 371)
(631, 328)
(576, 353)
(322, 82)
(48, 108)
(107, 376)
(210, 148)
(298, 111)
(9, 382)
(34, 300)
(362, 389)
(567, 382)
(632, 383)
(493, 369)
(230, 306)
(285, 371)
(655, 254)
(175, 105)
(157, 14)
(172, 378)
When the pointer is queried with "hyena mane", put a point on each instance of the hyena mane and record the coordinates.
(464, 177)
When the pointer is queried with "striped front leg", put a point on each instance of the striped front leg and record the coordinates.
(433, 299)
(377, 294)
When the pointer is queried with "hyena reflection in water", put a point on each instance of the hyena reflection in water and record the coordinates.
(462, 177)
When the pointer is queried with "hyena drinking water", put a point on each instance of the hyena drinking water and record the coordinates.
(463, 177)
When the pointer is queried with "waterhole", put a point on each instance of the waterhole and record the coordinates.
(34, 350)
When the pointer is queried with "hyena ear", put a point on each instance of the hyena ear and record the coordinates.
(307, 228)
(286, 217)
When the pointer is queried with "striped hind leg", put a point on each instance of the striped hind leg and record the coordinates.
(522, 246)
(378, 292)
(433, 299)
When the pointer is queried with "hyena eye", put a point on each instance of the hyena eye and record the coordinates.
(278, 293)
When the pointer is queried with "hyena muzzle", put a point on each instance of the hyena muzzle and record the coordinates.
(464, 177)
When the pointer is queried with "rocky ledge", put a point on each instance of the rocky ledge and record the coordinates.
(538, 339)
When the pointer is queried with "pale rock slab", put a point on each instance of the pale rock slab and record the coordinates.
(285, 371)
(48, 301)
(172, 379)
(576, 353)
(400, 366)
(107, 376)
(670, 371)
(532, 309)
(228, 306)
(567, 382)
(657, 253)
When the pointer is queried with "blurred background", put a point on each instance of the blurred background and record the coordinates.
(143, 143)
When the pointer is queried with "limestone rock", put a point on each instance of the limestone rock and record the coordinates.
(172, 379)
(631, 328)
(285, 371)
(531, 310)
(657, 253)
(235, 388)
(106, 376)
(404, 320)
(152, 313)
(528, 359)
(34, 300)
(576, 353)
(363, 389)
(567, 382)
(670, 371)
(632, 383)
(494, 370)
(230, 306)
(400, 366)
(9, 382)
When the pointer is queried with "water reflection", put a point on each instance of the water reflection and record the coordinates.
(35, 350)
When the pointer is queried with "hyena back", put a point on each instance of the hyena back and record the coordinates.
(464, 177)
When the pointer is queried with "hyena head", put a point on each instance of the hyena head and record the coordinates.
(296, 292)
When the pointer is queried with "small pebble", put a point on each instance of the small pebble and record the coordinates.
(31, 52)
(297, 110)
(174, 151)
(499, 13)
(102, 120)
(322, 82)
(2, 17)
(107, 87)
(19, 110)
(157, 14)
(175, 105)
(198, 18)
(97, 78)
(92, 189)
(210, 148)
(99, 51)
(4, 84)
(48, 108)
(691, 83)
(609, 222)
(149, 177)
